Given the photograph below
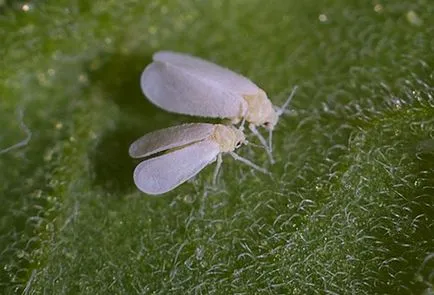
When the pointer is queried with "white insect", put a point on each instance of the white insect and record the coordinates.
(189, 85)
(184, 151)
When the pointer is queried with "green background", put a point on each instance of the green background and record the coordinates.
(350, 208)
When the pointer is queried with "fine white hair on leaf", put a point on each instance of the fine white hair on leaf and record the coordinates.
(180, 152)
(29, 283)
(24, 127)
(185, 84)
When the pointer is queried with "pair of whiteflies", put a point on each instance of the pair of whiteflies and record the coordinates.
(185, 84)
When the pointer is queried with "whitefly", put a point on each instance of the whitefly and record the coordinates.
(176, 154)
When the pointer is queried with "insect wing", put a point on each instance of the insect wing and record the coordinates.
(208, 72)
(177, 91)
(169, 138)
(162, 174)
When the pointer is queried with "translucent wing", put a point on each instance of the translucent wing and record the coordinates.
(169, 138)
(184, 84)
(162, 174)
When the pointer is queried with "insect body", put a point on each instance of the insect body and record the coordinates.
(186, 150)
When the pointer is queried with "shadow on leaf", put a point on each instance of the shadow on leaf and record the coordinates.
(118, 76)
(112, 166)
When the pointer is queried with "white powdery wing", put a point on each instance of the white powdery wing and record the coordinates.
(174, 89)
(162, 174)
(208, 72)
(169, 138)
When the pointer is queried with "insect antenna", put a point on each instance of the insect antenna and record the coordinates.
(282, 109)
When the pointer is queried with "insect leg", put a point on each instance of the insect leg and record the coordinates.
(217, 169)
(249, 163)
(270, 140)
(263, 141)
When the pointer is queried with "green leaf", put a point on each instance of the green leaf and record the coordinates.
(350, 207)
